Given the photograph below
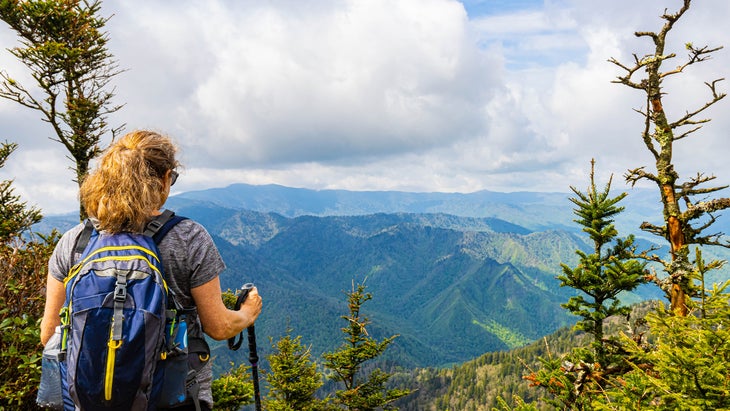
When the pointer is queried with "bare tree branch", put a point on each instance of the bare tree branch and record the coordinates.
(705, 207)
(654, 229)
(633, 176)
(687, 118)
(695, 56)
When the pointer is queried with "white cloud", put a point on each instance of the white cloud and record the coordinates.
(354, 79)
(35, 174)
(382, 94)
(561, 115)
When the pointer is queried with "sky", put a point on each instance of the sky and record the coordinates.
(407, 95)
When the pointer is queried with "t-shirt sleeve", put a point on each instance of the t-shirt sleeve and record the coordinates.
(62, 258)
(190, 257)
(204, 259)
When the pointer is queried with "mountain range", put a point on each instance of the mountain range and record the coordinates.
(532, 210)
(454, 275)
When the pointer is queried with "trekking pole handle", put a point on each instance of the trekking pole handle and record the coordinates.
(233, 343)
(245, 289)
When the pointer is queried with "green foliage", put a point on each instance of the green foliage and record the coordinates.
(23, 268)
(293, 378)
(234, 389)
(602, 275)
(15, 216)
(63, 45)
(578, 378)
(229, 299)
(520, 405)
(685, 367)
(20, 360)
(688, 365)
(361, 393)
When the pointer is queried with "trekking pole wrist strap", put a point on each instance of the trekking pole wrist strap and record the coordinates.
(234, 343)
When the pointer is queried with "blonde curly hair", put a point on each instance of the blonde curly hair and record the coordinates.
(127, 185)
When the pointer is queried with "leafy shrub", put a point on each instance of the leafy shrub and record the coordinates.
(233, 389)
(23, 267)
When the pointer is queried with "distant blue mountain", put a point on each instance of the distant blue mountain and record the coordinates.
(450, 293)
(534, 211)
(525, 209)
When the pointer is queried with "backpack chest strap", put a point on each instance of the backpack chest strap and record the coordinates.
(120, 296)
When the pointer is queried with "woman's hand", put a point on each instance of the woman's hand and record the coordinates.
(219, 322)
(251, 308)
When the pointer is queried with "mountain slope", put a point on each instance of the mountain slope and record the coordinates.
(451, 295)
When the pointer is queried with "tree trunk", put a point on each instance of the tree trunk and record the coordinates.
(675, 234)
(666, 178)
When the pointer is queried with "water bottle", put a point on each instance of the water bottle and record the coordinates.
(49, 391)
(181, 337)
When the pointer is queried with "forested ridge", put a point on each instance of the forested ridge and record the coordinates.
(477, 385)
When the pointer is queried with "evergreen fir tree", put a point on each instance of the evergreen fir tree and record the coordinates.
(293, 379)
(578, 378)
(64, 47)
(361, 393)
(15, 216)
(233, 389)
(602, 275)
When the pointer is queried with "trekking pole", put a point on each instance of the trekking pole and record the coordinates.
(253, 358)
(234, 344)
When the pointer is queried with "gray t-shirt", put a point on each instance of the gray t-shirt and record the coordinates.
(190, 259)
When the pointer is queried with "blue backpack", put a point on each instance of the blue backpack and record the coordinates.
(121, 326)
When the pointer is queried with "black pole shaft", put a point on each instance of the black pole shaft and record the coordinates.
(253, 358)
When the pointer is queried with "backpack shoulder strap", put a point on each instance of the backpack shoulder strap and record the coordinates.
(161, 225)
(83, 239)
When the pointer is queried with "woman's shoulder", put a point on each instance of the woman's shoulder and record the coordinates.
(75, 230)
(189, 238)
(188, 229)
(69, 237)
(189, 224)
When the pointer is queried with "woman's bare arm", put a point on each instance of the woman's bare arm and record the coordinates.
(55, 296)
(218, 321)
